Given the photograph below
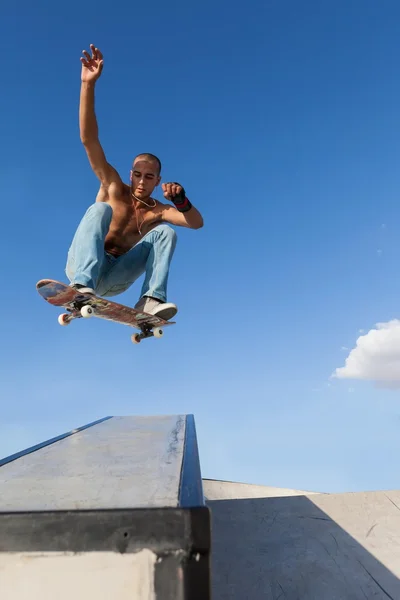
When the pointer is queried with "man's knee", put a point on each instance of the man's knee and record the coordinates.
(167, 233)
(100, 210)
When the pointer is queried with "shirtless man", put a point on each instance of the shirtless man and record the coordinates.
(125, 233)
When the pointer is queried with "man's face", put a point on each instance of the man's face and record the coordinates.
(144, 178)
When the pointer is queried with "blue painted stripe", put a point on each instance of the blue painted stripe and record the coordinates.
(191, 485)
(12, 457)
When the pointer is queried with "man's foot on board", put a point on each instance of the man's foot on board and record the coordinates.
(83, 289)
(153, 306)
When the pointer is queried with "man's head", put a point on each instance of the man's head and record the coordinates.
(145, 175)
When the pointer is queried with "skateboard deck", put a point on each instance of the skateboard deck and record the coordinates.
(81, 305)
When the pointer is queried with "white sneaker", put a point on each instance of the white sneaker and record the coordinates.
(164, 310)
(83, 289)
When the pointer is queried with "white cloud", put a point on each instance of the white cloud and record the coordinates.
(376, 356)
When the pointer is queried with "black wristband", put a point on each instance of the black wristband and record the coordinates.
(182, 203)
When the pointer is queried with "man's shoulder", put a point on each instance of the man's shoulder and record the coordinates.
(118, 191)
(159, 206)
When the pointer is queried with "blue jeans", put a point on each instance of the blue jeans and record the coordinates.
(90, 265)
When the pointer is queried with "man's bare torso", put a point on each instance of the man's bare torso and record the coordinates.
(131, 219)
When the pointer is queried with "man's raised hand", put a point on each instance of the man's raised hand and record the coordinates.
(172, 190)
(175, 192)
(92, 66)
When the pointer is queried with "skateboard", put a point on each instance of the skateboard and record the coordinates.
(81, 305)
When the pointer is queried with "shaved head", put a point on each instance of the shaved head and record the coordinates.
(149, 157)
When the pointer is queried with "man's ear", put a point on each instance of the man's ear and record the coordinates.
(158, 180)
(130, 175)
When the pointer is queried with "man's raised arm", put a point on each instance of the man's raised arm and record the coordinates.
(92, 67)
(184, 213)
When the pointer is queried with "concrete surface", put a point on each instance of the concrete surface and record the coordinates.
(101, 546)
(229, 490)
(268, 543)
(124, 462)
(304, 547)
(101, 576)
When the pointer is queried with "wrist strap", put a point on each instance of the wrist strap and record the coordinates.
(181, 201)
(183, 205)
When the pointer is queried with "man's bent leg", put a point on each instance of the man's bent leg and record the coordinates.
(86, 255)
(161, 242)
(152, 255)
(154, 290)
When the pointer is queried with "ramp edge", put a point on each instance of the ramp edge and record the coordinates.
(12, 457)
(191, 484)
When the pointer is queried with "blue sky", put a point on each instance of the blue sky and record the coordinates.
(282, 121)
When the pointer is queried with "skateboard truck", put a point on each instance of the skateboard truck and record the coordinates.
(147, 332)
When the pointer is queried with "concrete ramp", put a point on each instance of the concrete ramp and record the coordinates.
(113, 510)
(304, 547)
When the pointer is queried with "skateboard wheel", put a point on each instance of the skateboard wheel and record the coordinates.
(87, 311)
(158, 332)
(135, 338)
(63, 319)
